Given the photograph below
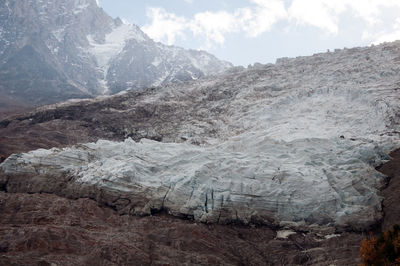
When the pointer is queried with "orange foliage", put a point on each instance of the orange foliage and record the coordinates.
(367, 250)
(384, 250)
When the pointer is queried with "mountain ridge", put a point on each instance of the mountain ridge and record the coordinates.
(78, 51)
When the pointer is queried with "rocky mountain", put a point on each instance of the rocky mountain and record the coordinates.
(290, 147)
(56, 50)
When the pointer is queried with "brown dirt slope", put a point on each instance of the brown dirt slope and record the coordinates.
(43, 229)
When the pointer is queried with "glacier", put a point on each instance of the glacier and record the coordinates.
(247, 179)
(292, 144)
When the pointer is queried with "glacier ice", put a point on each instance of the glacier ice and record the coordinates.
(249, 178)
(293, 143)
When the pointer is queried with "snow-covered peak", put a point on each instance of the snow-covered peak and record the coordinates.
(89, 51)
(128, 59)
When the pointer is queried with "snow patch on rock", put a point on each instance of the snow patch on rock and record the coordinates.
(113, 44)
(283, 234)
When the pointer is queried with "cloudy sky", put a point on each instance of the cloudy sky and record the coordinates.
(248, 31)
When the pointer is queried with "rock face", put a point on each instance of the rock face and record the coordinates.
(52, 51)
(292, 144)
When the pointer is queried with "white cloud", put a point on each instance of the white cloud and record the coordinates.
(165, 26)
(189, 1)
(389, 35)
(259, 16)
(315, 13)
(213, 26)
(262, 17)
(325, 14)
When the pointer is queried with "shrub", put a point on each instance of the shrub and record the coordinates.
(384, 250)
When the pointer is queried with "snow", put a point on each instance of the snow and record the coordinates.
(161, 79)
(80, 8)
(283, 234)
(332, 236)
(59, 34)
(206, 63)
(113, 45)
(157, 61)
(202, 62)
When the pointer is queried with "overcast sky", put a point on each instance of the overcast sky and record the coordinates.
(248, 31)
